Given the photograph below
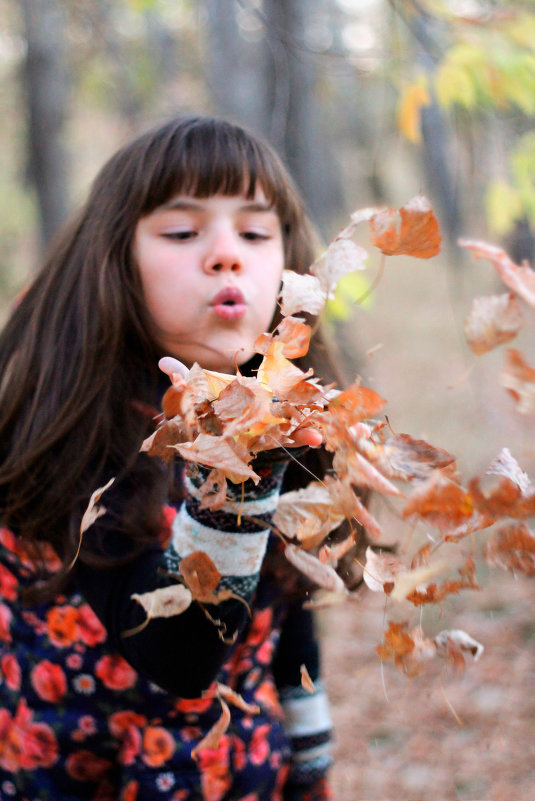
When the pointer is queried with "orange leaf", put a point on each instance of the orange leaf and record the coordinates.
(512, 547)
(293, 332)
(220, 453)
(440, 501)
(493, 320)
(213, 737)
(413, 231)
(306, 682)
(356, 403)
(405, 458)
(519, 278)
(518, 378)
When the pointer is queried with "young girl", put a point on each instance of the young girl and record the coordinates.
(178, 252)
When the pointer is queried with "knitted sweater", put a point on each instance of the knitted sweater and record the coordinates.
(87, 713)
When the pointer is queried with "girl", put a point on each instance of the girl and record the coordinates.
(178, 252)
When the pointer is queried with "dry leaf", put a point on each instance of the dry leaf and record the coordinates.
(504, 464)
(440, 502)
(356, 403)
(94, 511)
(301, 293)
(432, 594)
(406, 584)
(463, 640)
(493, 320)
(503, 500)
(413, 230)
(381, 569)
(164, 602)
(218, 452)
(293, 333)
(512, 547)
(404, 458)
(519, 278)
(322, 575)
(341, 257)
(306, 682)
(213, 738)
(312, 502)
(213, 491)
(518, 378)
(237, 700)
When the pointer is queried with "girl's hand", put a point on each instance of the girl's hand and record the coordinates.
(310, 437)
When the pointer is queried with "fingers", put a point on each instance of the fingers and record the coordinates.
(308, 436)
(170, 365)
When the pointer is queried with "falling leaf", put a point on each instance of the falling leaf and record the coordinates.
(414, 98)
(94, 511)
(356, 403)
(405, 458)
(220, 453)
(311, 502)
(293, 333)
(306, 682)
(518, 378)
(331, 554)
(237, 700)
(362, 473)
(164, 602)
(440, 501)
(493, 320)
(433, 593)
(409, 651)
(322, 575)
(406, 584)
(463, 640)
(301, 293)
(213, 737)
(277, 373)
(502, 500)
(381, 569)
(504, 464)
(519, 278)
(343, 256)
(202, 579)
(512, 547)
(413, 230)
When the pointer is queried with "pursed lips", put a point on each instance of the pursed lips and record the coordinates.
(229, 304)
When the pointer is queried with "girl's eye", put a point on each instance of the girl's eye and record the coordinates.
(179, 235)
(254, 236)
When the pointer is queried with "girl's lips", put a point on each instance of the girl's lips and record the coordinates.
(229, 304)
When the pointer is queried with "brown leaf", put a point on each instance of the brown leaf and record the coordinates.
(301, 293)
(218, 452)
(293, 332)
(504, 464)
(433, 594)
(505, 499)
(164, 602)
(381, 569)
(518, 378)
(213, 491)
(200, 574)
(94, 511)
(213, 737)
(440, 502)
(322, 575)
(362, 473)
(519, 278)
(410, 652)
(356, 403)
(311, 502)
(405, 458)
(512, 547)
(277, 373)
(493, 320)
(237, 700)
(306, 682)
(453, 643)
(413, 231)
(341, 257)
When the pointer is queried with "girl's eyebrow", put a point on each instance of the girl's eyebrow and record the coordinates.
(185, 204)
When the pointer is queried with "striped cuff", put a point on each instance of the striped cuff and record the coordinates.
(308, 725)
(234, 537)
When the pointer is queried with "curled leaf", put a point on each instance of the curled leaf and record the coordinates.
(381, 570)
(519, 278)
(413, 231)
(461, 639)
(164, 602)
(341, 257)
(213, 737)
(293, 333)
(94, 511)
(493, 320)
(322, 575)
(512, 547)
(301, 293)
(306, 682)
(518, 378)
(237, 700)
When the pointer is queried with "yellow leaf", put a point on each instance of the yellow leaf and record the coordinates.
(412, 100)
(503, 206)
(453, 84)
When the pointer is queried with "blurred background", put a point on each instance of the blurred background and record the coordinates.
(369, 102)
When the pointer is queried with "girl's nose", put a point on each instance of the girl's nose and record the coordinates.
(224, 254)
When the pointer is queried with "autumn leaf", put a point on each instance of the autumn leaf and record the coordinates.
(301, 293)
(413, 99)
(404, 458)
(293, 333)
(202, 579)
(213, 492)
(381, 570)
(306, 682)
(519, 278)
(504, 464)
(356, 403)
(322, 575)
(234, 698)
(278, 374)
(512, 547)
(213, 737)
(433, 593)
(220, 453)
(452, 642)
(164, 602)
(492, 321)
(94, 510)
(343, 256)
(362, 473)
(409, 651)
(413, 230)
(518, 378)
(440, 502)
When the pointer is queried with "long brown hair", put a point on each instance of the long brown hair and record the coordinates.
(78, 360)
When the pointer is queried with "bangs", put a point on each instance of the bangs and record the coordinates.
(205, 157)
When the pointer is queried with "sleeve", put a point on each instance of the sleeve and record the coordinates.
(183, 653)
(307, 719)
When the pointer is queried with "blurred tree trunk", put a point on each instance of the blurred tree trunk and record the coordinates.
(295, 105)
(47, 89)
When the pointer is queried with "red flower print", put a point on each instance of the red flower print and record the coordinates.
(74, 661)
(265, 652)
(89, 628)
(195, 706)
(259, 748)
(85, 766)
(120, 721)
(267, 696)
(239, 757)
(214, 764)
(61, 621)
(5, 620)
(48, 681)
(260, 627)
(158, 746)
(24, 743)
(129, 791)
(8, 584)
(115, 672)
(131, 745)
(11, 671)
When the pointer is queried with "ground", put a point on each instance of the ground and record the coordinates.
(439, 735)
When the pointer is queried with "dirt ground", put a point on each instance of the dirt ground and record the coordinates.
(438, 735)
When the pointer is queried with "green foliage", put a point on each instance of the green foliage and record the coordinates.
(506, 203)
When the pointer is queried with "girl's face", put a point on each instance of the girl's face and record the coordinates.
(211, 271)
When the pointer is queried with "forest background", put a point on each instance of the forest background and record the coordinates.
(369, 102)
